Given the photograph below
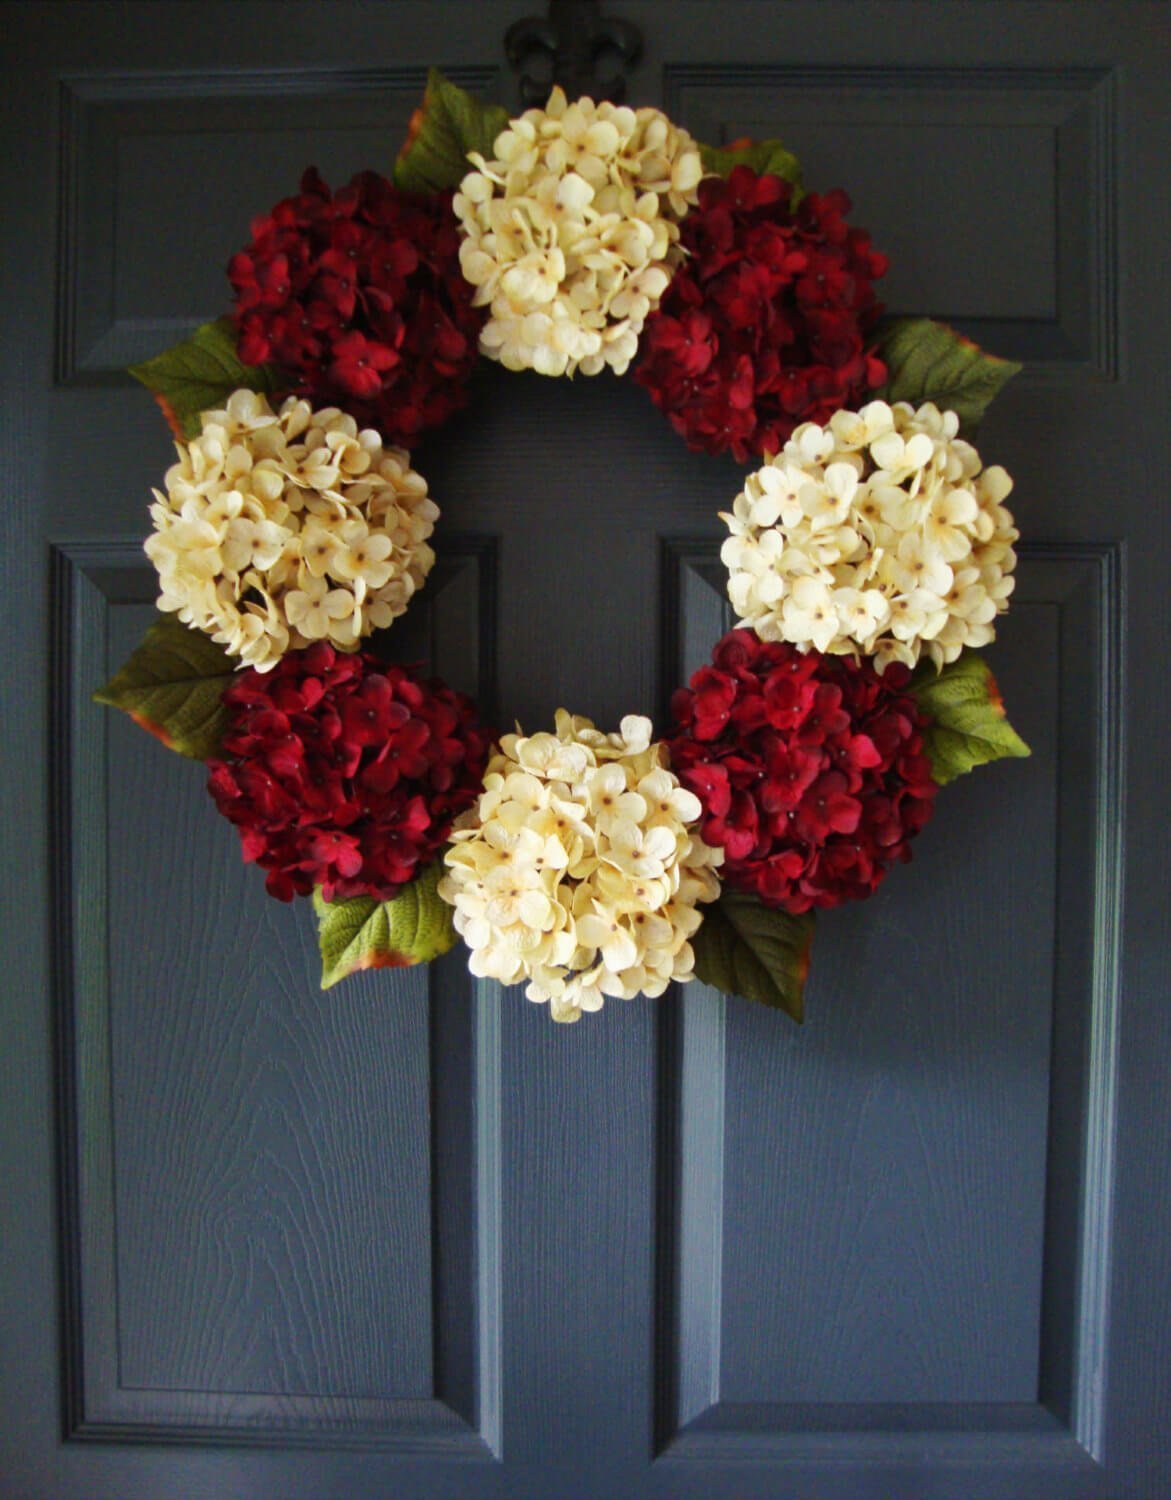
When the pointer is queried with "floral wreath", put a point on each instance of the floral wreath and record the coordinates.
(868, 558)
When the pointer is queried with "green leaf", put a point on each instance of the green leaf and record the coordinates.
(200, 374)
(746, 948)
(363, 933)
(968, 724)
(761, 156)
(448, 125)
(928, 361)
(173, 685)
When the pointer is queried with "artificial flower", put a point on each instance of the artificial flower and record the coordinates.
(580, 869)
(810, 769)
(279, 529)
(571, 231)
(343, 773)
(359, 297)
(767, 322)
(880, 534)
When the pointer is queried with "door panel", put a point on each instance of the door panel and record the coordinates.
(256, 1175)
(407, 1237)
(911, 1234)
(983, 155)
(129, 142)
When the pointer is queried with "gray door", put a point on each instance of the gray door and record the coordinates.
(409, 1238)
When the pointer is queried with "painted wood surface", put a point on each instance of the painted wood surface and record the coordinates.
(410, 1238)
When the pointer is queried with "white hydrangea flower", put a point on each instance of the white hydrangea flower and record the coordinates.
(283, 528)
(579, 869)
(571, 231)
(880, 535)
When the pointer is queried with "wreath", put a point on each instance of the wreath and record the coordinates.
(869, 554)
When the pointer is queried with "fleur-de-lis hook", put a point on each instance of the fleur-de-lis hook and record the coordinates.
(574, 35)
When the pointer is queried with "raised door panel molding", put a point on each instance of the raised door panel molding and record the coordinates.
(840, 1271)
(995, 167)
(125, 247)
(280, 1208)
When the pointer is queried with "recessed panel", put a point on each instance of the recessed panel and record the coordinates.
(163, 176)
(187, 242)
(272, 1140)
(938, 227)
(279, 1190)
(859, 1207)
(886, 1163)
(957, 174)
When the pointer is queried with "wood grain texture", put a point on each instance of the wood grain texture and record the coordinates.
(920, 1094)
(277, 1198)
(918, 1091)
(849, 1273)
(272, 1150)
(545, 1369)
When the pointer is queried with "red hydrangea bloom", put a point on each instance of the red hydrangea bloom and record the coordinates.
(344, 773)
(764, 325)
(359, 296)
(810, 769)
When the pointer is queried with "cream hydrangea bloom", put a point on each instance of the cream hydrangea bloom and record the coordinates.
(880, 534)
(570, 232)
(280, 529)
(579, 870)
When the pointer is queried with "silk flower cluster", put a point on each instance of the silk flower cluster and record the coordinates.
(578, 870)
